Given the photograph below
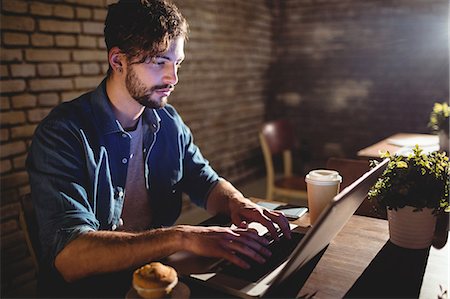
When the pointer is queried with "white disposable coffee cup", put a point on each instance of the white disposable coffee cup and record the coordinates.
(322, 185)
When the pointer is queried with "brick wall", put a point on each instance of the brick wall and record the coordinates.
(350, 73)
(53, 51)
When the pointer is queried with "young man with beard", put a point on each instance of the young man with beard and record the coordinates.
(107, 169)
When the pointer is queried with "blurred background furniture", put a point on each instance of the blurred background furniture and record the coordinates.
(278, 138)
(351, 170)
(397, 143)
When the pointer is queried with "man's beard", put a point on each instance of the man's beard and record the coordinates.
(142, 94)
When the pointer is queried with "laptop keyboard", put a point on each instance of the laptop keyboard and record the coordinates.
(280, 251)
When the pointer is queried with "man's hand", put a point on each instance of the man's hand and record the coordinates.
(226, 199)
(243, 210)
(223, 242)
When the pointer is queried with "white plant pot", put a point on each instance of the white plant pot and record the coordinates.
(408, 229)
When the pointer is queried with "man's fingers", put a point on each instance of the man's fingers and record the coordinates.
(249, 249)
(281, 220)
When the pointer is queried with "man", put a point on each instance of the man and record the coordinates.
(107, 169)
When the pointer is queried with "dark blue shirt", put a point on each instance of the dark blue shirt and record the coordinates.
(78, 166)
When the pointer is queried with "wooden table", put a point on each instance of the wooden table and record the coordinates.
(361, 262)
(373, 151)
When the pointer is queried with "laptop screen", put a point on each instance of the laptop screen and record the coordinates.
(330, 222)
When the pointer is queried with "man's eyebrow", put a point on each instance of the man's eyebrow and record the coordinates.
(168, 58)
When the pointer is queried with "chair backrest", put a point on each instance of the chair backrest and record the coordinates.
(351, 170)
(28, 222)
(279, 135)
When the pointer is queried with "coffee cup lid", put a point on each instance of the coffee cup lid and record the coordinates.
(323, 176)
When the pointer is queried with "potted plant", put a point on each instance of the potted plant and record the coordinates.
(439, 124)
(414, 189)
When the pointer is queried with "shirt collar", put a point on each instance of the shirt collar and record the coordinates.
(106, 119)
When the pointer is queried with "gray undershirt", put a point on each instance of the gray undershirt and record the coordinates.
(136, 212)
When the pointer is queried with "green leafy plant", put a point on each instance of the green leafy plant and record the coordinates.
(419, 180)
(439, 117)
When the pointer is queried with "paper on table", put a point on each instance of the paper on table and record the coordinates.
(412, 141)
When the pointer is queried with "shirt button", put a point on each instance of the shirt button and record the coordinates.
(114, 227)
(124, 160)
(121, 194)
(124, 135)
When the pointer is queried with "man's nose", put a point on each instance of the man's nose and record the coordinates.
(171, 74)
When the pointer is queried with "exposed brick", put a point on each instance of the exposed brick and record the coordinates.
(12, 117)
(19, 162)
(48, 99)
(4, 134)
(14, 180)
(4, 72)
(63, 11)
(90, 69)
(47, 55)
(100, 14)
(23, 131)
(69, 69)
(18, 6)
(24, 101)
(85, 55)
(10, 55)
(4, 103)
(87, 82)
(36, 115)
(65, 41)
(23, 70)
(48, 70)
(15, 39)
(41, 9)
(24, 190)
(85, 41)
(42, 40)
(83, 13)
(59, 26)
(101, 43)
(5, 166)
(9, 210)
(93, 3)
(12, 86)
(17, 23)
(105, 67)
(50, 84)
(12, 148)
(68, 96)
(93, 28)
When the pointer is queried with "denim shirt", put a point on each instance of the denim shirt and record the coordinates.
(78, 163)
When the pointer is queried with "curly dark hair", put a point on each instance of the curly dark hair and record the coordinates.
(143, 28)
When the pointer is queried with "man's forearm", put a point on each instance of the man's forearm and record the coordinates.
(106, 251)
(222, 196)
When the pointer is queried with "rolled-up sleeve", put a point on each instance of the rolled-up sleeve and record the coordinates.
(63, 205)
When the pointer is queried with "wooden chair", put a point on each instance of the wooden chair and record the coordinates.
(351, 170)
(278, 138)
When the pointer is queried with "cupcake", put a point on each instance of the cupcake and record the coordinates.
(154, 280)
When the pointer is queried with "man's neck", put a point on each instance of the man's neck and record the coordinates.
(126, 109)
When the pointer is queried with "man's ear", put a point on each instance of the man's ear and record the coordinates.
(116, 59)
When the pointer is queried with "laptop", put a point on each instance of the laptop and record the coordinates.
(210, 272)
